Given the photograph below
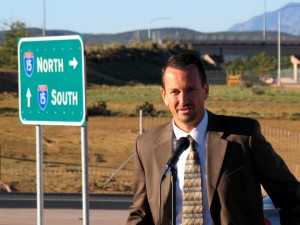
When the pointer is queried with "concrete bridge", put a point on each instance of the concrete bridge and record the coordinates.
(244, 49)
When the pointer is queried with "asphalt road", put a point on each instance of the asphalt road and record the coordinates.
(66, 209)
(28, 216)
(63, 209)
(65, 201)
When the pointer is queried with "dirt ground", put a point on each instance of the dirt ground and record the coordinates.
(110, 150)
(110, 145)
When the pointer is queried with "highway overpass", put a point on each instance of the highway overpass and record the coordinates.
(234, 44)
(244, 49)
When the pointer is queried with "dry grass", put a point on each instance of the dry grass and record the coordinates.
(110, 141)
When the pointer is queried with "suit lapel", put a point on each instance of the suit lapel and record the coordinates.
(163, 149)
(163, 153)
(216, 148)
(215, 153)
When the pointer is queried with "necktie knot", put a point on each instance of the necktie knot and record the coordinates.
(192, 142)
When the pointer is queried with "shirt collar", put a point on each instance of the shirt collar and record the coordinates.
(198, 133)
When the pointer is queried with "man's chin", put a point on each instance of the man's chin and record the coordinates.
(187, 119)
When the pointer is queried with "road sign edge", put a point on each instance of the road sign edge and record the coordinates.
(53, 38)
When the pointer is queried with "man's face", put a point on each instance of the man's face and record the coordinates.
(185, 96)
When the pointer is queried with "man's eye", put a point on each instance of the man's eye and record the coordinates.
(174, 92)
(191, 90)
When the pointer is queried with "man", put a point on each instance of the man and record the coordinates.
(235, 159)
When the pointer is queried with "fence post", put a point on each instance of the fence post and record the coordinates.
(141, 121)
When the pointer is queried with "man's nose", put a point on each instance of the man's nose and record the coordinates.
(183, 98)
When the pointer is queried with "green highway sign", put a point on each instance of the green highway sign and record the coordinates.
(52, 80)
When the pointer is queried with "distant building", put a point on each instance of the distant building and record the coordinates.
(215, 60)
(295, 60)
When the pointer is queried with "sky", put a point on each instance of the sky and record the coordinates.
(116, 16)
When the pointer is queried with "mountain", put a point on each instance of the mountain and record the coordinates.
(171, 34)
(289, 21)
(124, 37)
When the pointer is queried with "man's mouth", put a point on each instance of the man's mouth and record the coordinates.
(185, 109)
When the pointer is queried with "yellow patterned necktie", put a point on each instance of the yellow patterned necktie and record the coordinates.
(192, 210)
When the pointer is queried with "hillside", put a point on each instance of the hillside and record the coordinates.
(290, 21)
(8, 81)
(117, 65)
(162, 35)
(136, 36)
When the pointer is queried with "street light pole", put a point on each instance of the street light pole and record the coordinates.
(279, 51)
(264, 22)
(279, 42)
(44, 18)
(153, 20)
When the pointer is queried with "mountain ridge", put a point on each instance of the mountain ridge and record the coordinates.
(164, 34)
(289, 21)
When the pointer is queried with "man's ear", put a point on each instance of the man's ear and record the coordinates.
(163, 95)
(206, 88)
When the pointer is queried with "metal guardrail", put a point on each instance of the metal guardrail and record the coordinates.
(65, 200)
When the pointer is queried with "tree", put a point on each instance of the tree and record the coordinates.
(9, 52)
(263, 64)
(234, 67)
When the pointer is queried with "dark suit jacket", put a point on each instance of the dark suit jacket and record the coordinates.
(239, 160)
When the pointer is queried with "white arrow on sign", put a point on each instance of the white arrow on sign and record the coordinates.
(73, 63)
(28, 95)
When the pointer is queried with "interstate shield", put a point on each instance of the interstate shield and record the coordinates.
(28, 63)
(43, 96)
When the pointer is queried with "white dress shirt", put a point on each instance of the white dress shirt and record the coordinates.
(199, 135)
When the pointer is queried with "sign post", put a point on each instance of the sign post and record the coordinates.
(52, 92)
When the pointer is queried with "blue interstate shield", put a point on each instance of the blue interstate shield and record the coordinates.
(28, 63)
(43, 96)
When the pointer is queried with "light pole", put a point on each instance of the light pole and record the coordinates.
(279, 42)
(279, 53)
(153, 20)
(264, 22)
(44, 18)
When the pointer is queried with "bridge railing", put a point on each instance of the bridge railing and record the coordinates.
(227, 37)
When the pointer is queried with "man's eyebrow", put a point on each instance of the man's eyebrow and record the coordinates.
(173, 88)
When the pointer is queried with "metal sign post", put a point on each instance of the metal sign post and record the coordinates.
(39, 175)
(85, 178)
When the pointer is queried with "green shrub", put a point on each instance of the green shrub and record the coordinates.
(147, 108)
(98, 108)
(258, 90)
(247, 84)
